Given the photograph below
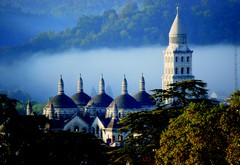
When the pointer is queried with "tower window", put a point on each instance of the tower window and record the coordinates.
(188, 70)
(182, 59)
(176, 70)
(182, 70)
(176, 59)
(187, 58)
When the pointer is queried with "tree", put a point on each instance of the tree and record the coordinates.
(7, 106)
(144, 130)
(201, 135)
(181, 94)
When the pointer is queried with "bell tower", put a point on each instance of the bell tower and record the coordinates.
(177, 56)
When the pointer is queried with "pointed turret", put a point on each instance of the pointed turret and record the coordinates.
(124, 86)
(80, 84)
(115, 111)
(177, 35)
(60, 86)
(142, 84)
(101, 86)
(51, 112)
(29, 108)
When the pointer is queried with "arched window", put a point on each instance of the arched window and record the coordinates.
(187, 58)
(176, 70)
(97, 130)
(182, 70)
(176, 59)
(182, 59)
(188, 70)
(113, 138)
(76, 129)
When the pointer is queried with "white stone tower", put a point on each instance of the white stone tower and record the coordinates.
(177, 56)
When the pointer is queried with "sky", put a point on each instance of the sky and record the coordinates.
(39, 75)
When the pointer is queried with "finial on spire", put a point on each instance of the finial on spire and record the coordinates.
(124, 85)
(177, 9)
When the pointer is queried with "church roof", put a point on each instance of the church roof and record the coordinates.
(125, 101)
(101, 100)
(177, 26)
(81, 98)
(63, 101)
(144, 98)
(114, 123)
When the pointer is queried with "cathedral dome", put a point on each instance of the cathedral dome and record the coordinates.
(125, 101)
(63, 101)
(101, 100)
(81, 99)
(144, 98)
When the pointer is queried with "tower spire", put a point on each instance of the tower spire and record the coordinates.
(101, 85)
(80, 84)
(29, 108)
(177, 35)
(142, 84)
(124, 86)
(60, 86)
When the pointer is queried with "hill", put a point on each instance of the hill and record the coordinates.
(141, 23)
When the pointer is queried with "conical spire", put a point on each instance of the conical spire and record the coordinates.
(51, 112)
(29, 108)
(60, 86)
(115, 111)
(124, 86)
(177, 34)
(142, 84)
(101, 86)
(80, 84)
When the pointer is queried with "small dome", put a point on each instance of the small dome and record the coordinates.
(63, 101)
(81, 98)
(125, 101)
(101, 100)
(144, 98)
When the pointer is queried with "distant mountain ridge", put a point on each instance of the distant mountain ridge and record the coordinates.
(139, 23)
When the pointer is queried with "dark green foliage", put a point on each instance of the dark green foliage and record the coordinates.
(140, 24)
(181, 94)
(7, 106)
(144, 130)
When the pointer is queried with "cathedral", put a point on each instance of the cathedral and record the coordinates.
(100, 114)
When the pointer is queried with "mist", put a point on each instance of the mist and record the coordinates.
(39, 74)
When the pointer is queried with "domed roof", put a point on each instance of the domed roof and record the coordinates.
(101, 100)
(63, 101)
(144, 98)
(81, 98)
(125, 101)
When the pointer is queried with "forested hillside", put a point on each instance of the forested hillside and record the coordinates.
(140, 24)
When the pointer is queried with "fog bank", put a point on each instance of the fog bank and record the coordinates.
(39, 75)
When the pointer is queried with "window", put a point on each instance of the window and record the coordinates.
(176, 59)
(113, 139)
(182, 59)
(176, 70)
(182, 70)
(187, 58)
(188, 70)
(76, 129)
